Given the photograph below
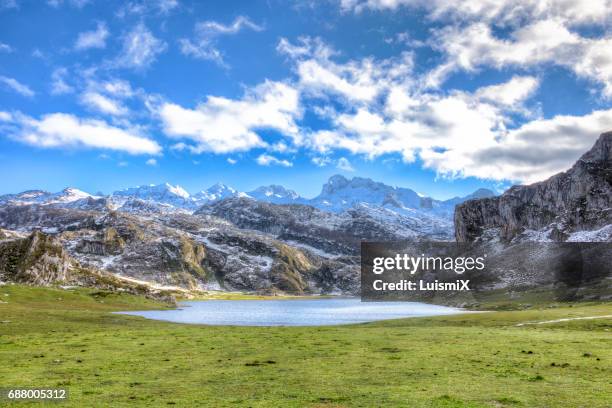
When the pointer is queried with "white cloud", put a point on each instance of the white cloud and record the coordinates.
(8, 4)
(140, 48)
(144, 7)
(204, 46)
(151, 162)
(103, 104)
(118, 88)
(231, 161)
(92, 39)
(344, 164)
(461, 135)
(222, 125)
(74, 3)
(535, 33)
(540, 148)
(355, 81)
(37, 53)
(511, 93)
(498, 11)
(59, 85)
(267, 160)
(448, 131)
(320, 161)
(546, 41)
(5, 47)
(17, 86)
(65, 130)
(5, 116)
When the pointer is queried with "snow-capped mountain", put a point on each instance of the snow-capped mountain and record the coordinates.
(276, 194)
(340, 193)
(150, 198)
(162, 193)
(216, 192)
(67, 195)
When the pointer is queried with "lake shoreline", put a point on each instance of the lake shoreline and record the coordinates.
(296, 312)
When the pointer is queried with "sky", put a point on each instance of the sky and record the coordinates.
(443, 97)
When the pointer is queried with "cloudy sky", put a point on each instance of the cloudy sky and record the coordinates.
(440, 96)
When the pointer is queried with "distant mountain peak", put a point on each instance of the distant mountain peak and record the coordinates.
(275, 193)
(75, 192)
(217, 191)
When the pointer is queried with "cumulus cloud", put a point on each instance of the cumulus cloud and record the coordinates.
(140, 48)
(17, 86)
(57, 130)
(465, 134)
(59, 84)
(499, 11)
(268, 160)
(354, 81)
(320, 161)
(510, 94)
(5, 116)
(8, 4)
(231, 161)
(73, 3)
(204, 44)
(541, 148)
(151, 162)
(344, 164)
(5, 47)
(536, 32)
(546, 41)
(144, 7)
(456, 133)
(222, 125)
(103, 104)
(92, 39)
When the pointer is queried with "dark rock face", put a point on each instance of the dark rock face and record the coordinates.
(576, 200)
(38, 260)
(338, 233)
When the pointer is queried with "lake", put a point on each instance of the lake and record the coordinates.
(292, 312)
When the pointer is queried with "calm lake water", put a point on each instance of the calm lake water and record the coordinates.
(303, 312)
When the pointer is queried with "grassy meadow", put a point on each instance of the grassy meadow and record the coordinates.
(69, 339)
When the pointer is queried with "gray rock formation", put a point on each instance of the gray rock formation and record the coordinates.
(565, 204)
(36, 260)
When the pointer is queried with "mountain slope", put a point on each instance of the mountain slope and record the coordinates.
(275, 194)
(566, 206)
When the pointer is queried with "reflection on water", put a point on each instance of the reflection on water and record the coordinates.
(307, 312)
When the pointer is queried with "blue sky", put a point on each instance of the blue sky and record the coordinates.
(439, 96)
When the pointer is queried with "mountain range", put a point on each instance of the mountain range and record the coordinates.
(337, 195)
(271, 239)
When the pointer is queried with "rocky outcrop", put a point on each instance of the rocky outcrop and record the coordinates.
(576, 200)
(41, 260)
(337, 233)
(37, 260)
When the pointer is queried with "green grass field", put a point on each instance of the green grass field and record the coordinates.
(68, 338)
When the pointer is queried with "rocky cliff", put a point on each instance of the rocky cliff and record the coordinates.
(37, 259)
(558, 209)
(40, 259)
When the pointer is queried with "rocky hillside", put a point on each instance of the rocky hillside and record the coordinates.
(37, 259)
(40, 259)
(221, 238)
(336, 233)
(571, 206)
